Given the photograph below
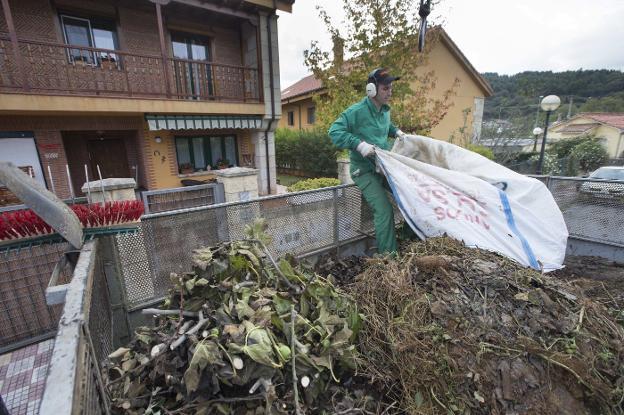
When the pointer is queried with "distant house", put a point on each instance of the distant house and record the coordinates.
(448, 63)
(511, 145)
(608, 127)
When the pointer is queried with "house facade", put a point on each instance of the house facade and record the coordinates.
(448, 63)
(607, 127)
(156, 90)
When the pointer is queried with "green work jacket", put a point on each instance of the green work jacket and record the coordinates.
(362, 122)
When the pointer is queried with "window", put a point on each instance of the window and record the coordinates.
(206, 153)
(90, 33)
(311, 115)
(194, 78)
(291, 118)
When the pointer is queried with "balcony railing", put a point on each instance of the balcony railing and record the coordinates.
(53, 68)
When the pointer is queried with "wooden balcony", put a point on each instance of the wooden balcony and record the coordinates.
(46, 68)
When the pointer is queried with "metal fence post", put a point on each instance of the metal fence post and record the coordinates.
(336, 230)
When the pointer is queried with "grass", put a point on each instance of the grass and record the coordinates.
(287, 180)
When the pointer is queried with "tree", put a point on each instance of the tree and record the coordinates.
(378, 33)
(590, 155)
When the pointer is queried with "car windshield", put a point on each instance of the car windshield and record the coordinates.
(608, 174)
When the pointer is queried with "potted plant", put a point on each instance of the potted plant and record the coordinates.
(186, 168)
(108, 62)
(223, 164)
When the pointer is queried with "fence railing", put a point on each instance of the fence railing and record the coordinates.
(74, 383)
(56, 68)
(183, 197)
(298, 223)
(25, 317)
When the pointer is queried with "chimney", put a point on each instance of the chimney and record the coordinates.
(338, 50)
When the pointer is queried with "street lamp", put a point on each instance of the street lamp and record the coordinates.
(536, 132)
(548, 104)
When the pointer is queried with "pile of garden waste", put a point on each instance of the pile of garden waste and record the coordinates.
(440, 329)
(242, 334)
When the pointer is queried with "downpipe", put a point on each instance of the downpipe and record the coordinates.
(272, 87)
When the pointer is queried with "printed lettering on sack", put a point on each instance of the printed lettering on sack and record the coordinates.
(448, 203)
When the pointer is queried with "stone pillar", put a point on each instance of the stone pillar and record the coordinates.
(108, 190)
(343, 171)
(260, 161)
(239, 183)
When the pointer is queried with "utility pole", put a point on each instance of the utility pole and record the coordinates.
(570, 107)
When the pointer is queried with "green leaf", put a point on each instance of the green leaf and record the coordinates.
(243, 310)
(206, 353)
(282, 305)
(258, 346)
(418, 399)
(202, 258)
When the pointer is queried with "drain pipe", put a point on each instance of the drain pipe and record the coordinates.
(271, 85)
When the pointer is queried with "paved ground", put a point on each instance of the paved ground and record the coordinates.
(22, 377)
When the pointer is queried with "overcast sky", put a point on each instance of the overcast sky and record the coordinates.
(504, 36)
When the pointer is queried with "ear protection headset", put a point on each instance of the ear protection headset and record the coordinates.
(371, 86)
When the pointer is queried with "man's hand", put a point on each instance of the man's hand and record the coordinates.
(365, 149)
(400, 134)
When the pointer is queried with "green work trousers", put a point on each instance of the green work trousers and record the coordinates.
(372, 187)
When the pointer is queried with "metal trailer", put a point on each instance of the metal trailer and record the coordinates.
(116, 276)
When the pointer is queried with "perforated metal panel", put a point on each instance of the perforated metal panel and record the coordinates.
(592, 209)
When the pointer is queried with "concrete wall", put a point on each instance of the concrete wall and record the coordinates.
(300, 110)
(446, 69)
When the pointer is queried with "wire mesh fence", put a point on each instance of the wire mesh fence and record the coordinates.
(298, 223)
(24, 275)
(592, 209)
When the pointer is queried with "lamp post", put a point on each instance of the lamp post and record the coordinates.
(548, 104)
(536, 132)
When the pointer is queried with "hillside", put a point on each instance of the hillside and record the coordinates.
(516, 97)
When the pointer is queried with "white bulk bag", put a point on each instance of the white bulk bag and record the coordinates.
(444, 189)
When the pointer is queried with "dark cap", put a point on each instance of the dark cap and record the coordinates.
(382, 76)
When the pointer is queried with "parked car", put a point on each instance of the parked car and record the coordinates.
(613, 185)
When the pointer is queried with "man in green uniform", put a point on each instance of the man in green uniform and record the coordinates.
(360, 128)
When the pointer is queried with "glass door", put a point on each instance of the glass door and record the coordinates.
(192, 71)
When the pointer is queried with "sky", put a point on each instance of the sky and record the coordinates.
(504, 36)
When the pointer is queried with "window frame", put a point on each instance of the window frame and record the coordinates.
(207, 150)
(291, 118)
(311, 114)
(100, 23)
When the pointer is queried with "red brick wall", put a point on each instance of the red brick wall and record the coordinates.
(49, 140)
(36, 19)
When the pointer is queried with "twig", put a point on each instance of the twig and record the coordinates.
(277, 269)
(159, 312)
(293, 318)
(435, 398)
(192, 330)
(181, 304)
(580, 321)
(218, 400)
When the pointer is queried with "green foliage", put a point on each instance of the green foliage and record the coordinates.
(378, 34)
(551, 163)
(610, 103)
(563, 148)
(484, 151)
(310, 151)
(311, 184)
(589, 154)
